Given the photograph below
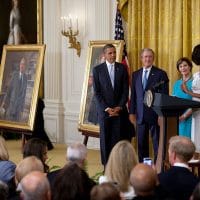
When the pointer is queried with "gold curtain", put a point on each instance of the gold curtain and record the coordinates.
(170, 27)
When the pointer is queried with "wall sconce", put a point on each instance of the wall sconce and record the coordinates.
(69, 32)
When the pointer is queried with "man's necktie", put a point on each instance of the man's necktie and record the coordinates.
(112, 74)
(144, 82)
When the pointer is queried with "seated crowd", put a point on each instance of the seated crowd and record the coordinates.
(124, 178)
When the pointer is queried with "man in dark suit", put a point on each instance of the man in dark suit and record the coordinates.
(76, 153)
(15, 98)
(148, 77)
(179, 181)
(111, 92)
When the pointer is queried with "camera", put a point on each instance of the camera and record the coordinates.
(147, 161)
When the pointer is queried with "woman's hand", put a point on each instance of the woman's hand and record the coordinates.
(182, 118)
(184, 87)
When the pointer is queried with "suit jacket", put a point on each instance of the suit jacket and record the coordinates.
(137, 106)
(52, 176)
(179, 182)
(105, 95)
(15, 97)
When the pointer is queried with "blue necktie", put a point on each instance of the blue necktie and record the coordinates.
(112, 74)
(144, 82)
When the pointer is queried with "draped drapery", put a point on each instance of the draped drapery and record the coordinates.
(170, 27)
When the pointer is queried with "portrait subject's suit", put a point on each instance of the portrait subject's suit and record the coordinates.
(15, 97)
(146, 118)
(178, 182)
(112, 129)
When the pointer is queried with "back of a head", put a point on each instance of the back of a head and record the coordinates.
(3, 149)
(77, 153)
(121, 161)
(34, 147)
(35, 185)
(72, 182)
(27, 165)
(105, 191)
(183, 147)
(196, 55)
(143, 179)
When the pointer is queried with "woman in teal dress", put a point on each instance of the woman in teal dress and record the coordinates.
(184, 67)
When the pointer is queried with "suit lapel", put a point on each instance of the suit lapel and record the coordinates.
(140, 78)
(117, 76)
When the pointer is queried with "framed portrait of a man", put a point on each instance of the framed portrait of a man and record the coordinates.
(88, 117)
(20, 74)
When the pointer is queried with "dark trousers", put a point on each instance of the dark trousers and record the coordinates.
(143, 139)
(109, 136)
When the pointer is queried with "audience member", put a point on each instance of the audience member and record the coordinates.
(27, 165)
(179, 181)
(35, 186)
(76, 153)
(72, 183)
(38, 148)
(105, 191)
(144, 181)
(7, 167)
(184, 67)
(121, 161)
(3, 191)
(24, 167)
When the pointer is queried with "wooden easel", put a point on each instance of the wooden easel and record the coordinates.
(24, 138)
(88, 134)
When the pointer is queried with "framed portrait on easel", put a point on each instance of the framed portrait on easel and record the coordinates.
(20, 74)
(88, 118)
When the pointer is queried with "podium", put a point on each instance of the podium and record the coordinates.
(167, 107)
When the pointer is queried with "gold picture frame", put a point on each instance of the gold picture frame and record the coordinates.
(20, 73)
(86, 123)
(39, 22)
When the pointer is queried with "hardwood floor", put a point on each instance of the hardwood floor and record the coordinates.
(56, 157)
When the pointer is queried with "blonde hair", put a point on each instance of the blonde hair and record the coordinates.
(3, 149)
(121, 161)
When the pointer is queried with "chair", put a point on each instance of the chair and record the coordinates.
(193, 164)
(195, 167)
